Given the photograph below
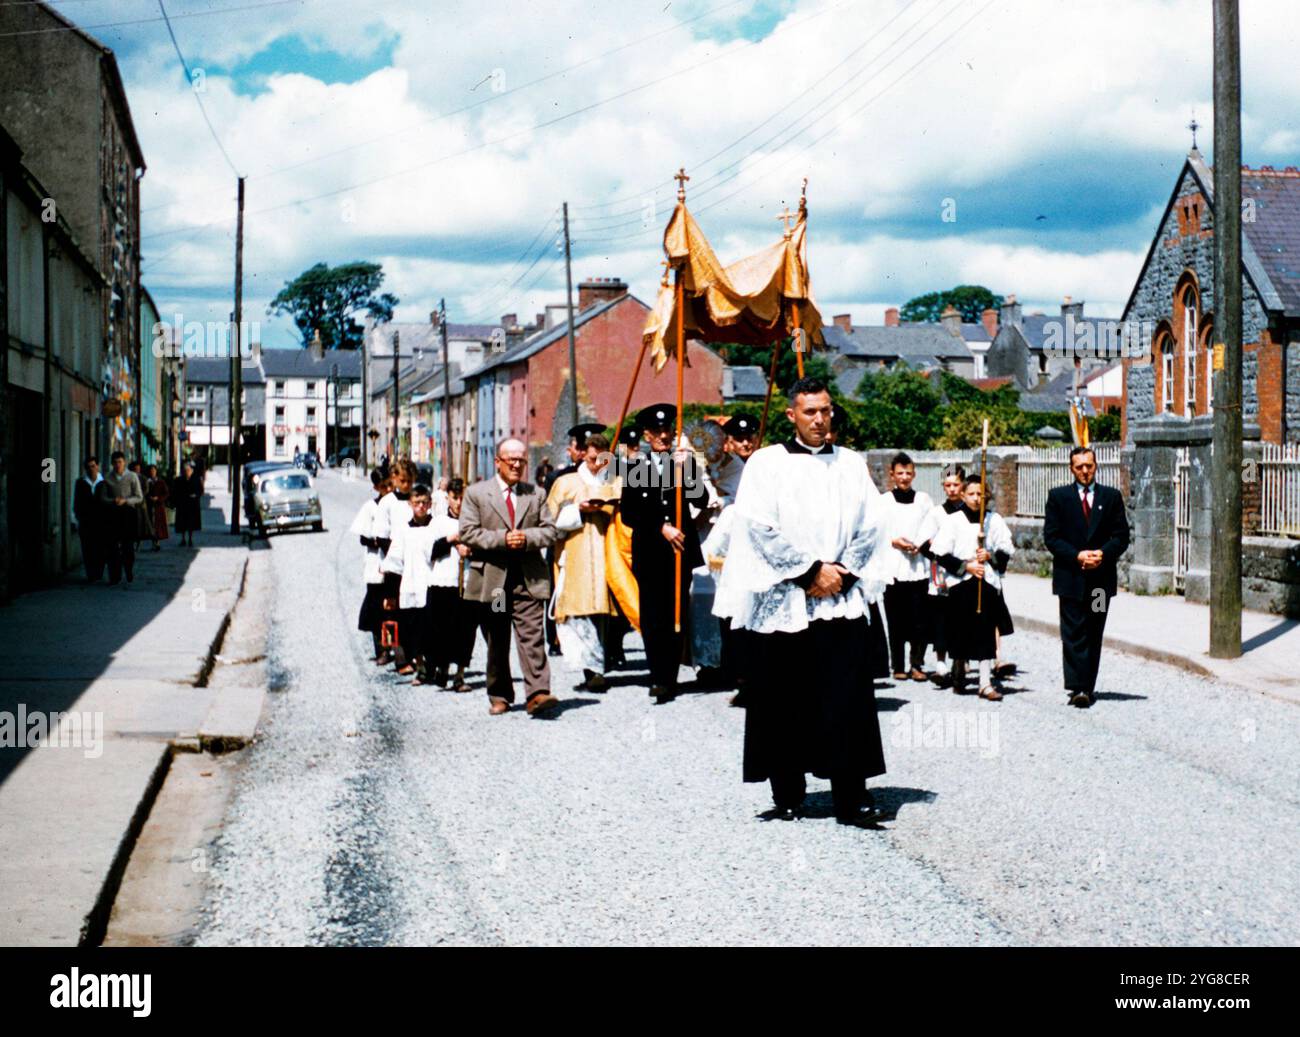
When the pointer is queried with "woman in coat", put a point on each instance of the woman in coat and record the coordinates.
(189, 491)
(156, 494)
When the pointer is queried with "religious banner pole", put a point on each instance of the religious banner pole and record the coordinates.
(984, 456)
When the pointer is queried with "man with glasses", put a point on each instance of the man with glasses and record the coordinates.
(506, 523)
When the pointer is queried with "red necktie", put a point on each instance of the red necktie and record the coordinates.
(1087, 508)
(510, 506)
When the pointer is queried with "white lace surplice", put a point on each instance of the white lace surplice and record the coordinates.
(794, 509)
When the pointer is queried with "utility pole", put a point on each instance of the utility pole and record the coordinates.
(237, 382)
(1225, 465)
(397, 339)
(568, 298)
(446, 390)
(363, 439)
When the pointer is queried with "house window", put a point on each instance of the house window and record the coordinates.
(311, 388)
(279, 446)
(1167, 374)
(196, 393)
(1189, 352)
(194, 415)
(1207, 332)
(311, 415)
(279, 413)
(277, 387)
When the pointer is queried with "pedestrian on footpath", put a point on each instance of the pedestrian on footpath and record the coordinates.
(977, 610)
(89, 513)
(1086, 531)
(507, 526)
(806, 528)
(123, 494)
(455, 620)
(903, 512)
(410, 556)
(156, 494)
(394, 513)
(371, 616)
(649, 508)
(937, 605)
(188, 497)
(582, 504)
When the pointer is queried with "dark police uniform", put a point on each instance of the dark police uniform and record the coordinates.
(649, 501)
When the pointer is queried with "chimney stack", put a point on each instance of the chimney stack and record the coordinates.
(950, 318)
(891, 317)
(1070, 308)
(509, 320)
(1010, 312)
(989, 318)
(844, 322)
(596, 290)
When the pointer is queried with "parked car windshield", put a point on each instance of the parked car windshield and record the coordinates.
(294, 481)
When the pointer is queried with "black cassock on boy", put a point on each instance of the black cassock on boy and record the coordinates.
(649, 502)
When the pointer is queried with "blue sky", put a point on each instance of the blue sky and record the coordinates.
(1056, 130)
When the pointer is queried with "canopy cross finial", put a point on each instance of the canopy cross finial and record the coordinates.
(681, 178)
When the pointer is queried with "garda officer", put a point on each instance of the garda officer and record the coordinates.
(649, 508)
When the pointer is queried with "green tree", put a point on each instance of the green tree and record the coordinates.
(970, 300)
(963, 427)
(327, 299)
(899, 408)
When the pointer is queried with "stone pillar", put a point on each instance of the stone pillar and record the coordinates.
(1153, 475)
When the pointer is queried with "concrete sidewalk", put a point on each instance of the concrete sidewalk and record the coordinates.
(1169, 629)
(131, 662)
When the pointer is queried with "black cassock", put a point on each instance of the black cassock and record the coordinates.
(649, 500)
(811, 704)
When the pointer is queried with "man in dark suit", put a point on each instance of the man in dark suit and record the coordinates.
(649, 509)
(1086, 531)
(506, 524)
(91, 519)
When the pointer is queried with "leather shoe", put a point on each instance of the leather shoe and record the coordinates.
(1081, 699)
(784, 814)
(497, 706)
(866, 816)
(541, 702)
(663, 695)
(554, 651)
(593, 682)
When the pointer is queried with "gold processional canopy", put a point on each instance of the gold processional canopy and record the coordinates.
(756, 301)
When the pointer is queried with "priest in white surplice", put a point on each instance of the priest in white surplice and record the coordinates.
(805, 531)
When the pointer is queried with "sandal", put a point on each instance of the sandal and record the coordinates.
(991, 693)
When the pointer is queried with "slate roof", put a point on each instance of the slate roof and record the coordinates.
(1275, 232)
(299, 363)
(916, 343)
(539, 340)
(216, 371)
(1053, 396)
(748, 382)
(1034, 327)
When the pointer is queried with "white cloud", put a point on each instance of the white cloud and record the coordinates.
(1025, 85)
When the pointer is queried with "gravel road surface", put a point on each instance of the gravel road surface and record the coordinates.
(372, 812)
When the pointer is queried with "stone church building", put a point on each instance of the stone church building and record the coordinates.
(1173, 303)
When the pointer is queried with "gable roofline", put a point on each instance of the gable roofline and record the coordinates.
(539, 340)
(1254, 270)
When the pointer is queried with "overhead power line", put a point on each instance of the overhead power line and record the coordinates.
(189, 76)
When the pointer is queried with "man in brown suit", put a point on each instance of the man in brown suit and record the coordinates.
(507, 526)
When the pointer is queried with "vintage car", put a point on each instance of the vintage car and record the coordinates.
(284, 498)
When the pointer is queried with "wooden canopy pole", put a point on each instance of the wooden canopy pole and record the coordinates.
(767, 400)
(681, 364)
(798, 339)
